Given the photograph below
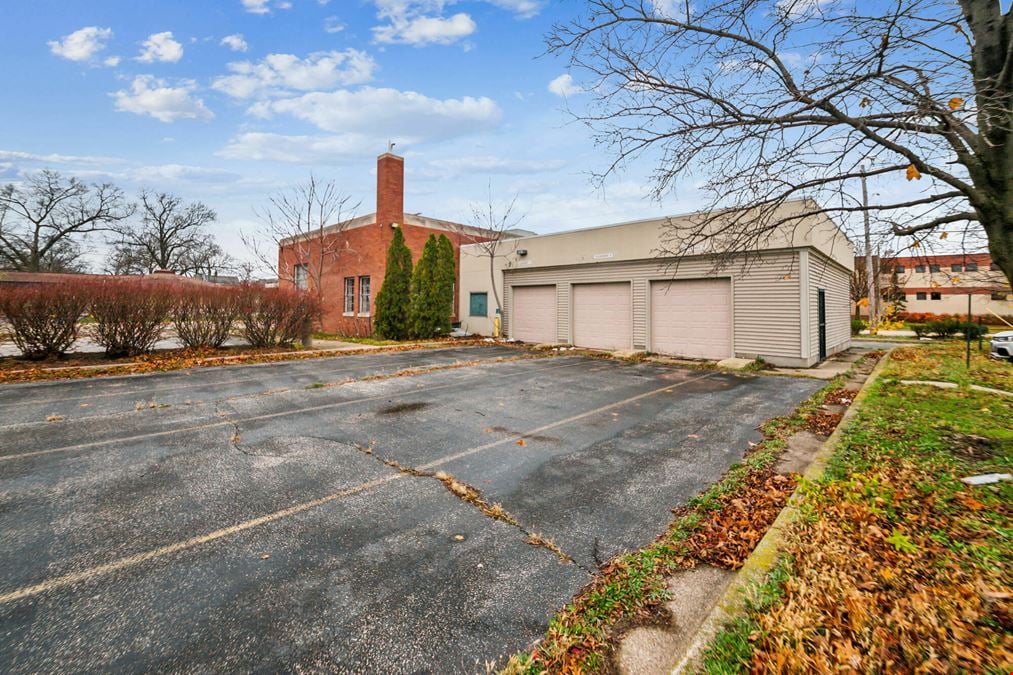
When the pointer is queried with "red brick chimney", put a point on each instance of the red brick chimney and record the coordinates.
(389, 189)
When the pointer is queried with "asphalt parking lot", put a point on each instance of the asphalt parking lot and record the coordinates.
(283, 516)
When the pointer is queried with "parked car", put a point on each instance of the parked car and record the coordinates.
(1002, 345)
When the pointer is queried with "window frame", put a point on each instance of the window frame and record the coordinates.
(365, 301)
(934, 268)
(1000, 295)
(301, 276)
(956, 268)
(348, 299)
(935, 295)
(485, 302)
(971, 267)
(899, 269)
(921, 296)
(920, 269)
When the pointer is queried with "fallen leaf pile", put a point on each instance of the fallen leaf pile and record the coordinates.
(13, 370)
(823, 423)
(839, 397)
(875, 593)
(730, 534)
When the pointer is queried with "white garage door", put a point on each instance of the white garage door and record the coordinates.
(692, 318)
(602, 318)
(534, 317)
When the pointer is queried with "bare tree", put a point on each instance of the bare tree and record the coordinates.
(864, 286)
(777, 100)
(297, 236)
(44, 219)
(172, 235)
(497, 221)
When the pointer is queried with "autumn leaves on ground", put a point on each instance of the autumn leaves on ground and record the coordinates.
(896, 565)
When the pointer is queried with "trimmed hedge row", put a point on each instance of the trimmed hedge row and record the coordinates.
(130, 316)
(929, 317)
(947, 328)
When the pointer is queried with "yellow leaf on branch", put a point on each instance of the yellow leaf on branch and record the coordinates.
(913, 173)
(956, 103)
(944, 235)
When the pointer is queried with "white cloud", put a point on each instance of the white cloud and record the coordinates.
(278, 73)
(181, 173)
(151, 96)
(18, 156)
(406, 116)
(423, 30)
(798, 9)
(160, 47)
(525, 9)
(256, 6)
(333, 25)
(111, 61)
(265, 6)
(564, 86)
(495, 165)
(235, 42)
(317, 149)
(81, 45)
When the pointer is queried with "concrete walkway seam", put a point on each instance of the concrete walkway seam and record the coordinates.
(763, 557)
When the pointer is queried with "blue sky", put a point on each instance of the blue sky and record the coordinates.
(229, 101)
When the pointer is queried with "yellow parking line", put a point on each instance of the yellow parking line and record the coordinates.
(255, 418)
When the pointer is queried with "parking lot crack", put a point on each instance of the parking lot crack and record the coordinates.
(473, 496)
(237, 434)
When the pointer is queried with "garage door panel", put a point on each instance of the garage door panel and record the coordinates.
(602, 316)
(692, 318)
(534, 317)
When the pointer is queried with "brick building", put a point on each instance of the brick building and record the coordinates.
(941, 284)
(352, 255)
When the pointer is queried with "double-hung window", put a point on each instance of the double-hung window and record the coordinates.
(302, 276)
(364, 299)
(349, 295)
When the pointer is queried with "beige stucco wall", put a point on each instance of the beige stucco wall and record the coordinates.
(981, 305)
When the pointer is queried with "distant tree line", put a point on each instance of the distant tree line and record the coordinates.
(47, 223)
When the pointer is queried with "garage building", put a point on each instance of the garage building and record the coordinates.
(606, 288)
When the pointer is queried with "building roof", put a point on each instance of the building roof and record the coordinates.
(416, 219)
(982, 259)
(639, 239)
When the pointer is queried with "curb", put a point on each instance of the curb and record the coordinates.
(296, 356)
(762, 559)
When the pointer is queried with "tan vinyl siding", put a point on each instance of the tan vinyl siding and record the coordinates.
(826, 274)
(766, 310)
(767, 319)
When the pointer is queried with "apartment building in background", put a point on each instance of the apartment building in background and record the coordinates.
(941, 284)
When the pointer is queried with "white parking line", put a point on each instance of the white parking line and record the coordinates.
(132, 560)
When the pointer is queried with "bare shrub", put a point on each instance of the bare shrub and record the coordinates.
(129, 314)
(203, 317)
(276, 316)
(44, 317)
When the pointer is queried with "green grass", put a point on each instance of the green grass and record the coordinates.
(927, 431)
(637, 580)
(362, 340)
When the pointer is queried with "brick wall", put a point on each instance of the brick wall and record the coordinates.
(361, 251)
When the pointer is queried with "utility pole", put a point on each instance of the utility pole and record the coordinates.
(869, 271)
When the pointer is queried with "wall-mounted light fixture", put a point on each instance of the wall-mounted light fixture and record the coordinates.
(522, 252)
